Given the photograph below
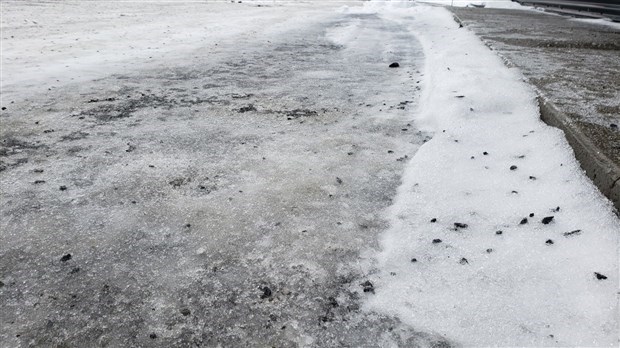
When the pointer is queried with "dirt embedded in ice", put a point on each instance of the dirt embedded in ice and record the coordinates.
(201, 202)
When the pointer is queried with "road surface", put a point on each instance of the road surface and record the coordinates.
(227, 195)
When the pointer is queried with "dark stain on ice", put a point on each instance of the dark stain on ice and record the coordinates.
(247, 108)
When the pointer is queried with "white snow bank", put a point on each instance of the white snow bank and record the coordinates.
(474, 3)
(531, 284)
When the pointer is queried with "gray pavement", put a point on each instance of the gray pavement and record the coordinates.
(575, 66)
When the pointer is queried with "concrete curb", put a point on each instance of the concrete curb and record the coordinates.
(603, 172)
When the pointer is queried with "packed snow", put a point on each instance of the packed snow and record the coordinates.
(497, 237)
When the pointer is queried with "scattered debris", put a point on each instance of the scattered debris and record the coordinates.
(600, 276)
(267, 293)
(572, 233)
(458, 225)
(368, 287)
(547, 220)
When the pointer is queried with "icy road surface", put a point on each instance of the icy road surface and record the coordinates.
(217, 189)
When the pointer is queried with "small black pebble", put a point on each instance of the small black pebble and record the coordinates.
(547, 220)
(531, 214)
(436, 241)
(153, 336)
(513, 167)
(39, 182)
(523, 221)
(394, 65)
(600, 276)
(460, 225)
(368, 287)
(188, 225)
(557, 209)
(266, 293)
(4, 108)
(613, 125)
(532, 177)
(489, 250)
(65, 258)
(390, 151)
(433, 220)
(63, 188)
(338, 180)
(464, 261)
(499, 232)
(549, 242)
(414, 260)
(572, 233)
(485, 153)
(185, 312)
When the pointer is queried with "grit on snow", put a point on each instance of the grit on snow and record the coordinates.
(215, 173)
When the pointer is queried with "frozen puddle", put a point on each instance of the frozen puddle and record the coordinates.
(497, 237)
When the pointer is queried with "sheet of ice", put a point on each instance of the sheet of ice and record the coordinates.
(503, 277)
(44, 48)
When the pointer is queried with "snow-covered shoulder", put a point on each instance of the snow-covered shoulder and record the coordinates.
(477, 3)
(497, 237)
